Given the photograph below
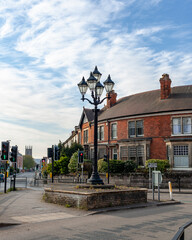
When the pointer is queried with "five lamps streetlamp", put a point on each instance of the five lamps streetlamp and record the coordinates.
(96, 88)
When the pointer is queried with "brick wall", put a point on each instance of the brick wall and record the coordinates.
(95, 200)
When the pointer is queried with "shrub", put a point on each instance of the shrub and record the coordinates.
(73, 164)
(88, 166)
(102, 166)
(130, 166)
(162, 165)
(116, 166)
(63, 165)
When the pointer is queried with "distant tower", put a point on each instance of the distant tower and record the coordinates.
(28, 150)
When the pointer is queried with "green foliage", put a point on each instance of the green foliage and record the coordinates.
(64, 161)
(60, 166)
(116, 166)
(130, 166)
(28, 162)
(11, 170)
(102, 166)
(68, 151)
(73, 164)
(162, 165)
(87, 167)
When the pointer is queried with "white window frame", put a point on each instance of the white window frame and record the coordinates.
(113, 131)
(114, 152)
(85, 136)
(135, 122)
(100, 133)
(179, 129)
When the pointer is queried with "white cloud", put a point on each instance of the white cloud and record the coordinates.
(23, 136)
(55, 43)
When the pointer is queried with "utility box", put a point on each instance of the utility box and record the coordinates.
(157, 178)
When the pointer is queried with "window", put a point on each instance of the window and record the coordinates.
(181, 158)
(85, 136)
(79, 138)
(181, 125)
(180, 150)
(134, 153)
(186, 125)
(115, 153)
(101, 152)
(139, 128)
(136, 128)
(140, 155)
(113, 131)
(124, 153)
(100, 135)
(131, 129)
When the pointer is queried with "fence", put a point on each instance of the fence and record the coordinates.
(40, 182)
(180, 235)
(19, 182)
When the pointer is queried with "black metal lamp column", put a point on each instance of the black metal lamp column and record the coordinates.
(96, 88)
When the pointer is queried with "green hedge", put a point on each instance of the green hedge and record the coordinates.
(117, 166)
(162, 164)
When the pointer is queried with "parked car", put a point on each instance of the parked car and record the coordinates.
(2, 177)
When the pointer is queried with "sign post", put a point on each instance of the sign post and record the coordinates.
(81, 161)
(156, 181)
(150, 166)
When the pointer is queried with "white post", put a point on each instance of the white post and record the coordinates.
(170, 191)
(82, 171)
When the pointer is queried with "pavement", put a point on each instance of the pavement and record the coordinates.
(28, 206)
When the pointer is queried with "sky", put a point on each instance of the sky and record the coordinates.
(46, 47)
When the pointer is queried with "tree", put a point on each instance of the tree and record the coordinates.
(28, 162)
(73, 164)
(60, 166)
(68, 151)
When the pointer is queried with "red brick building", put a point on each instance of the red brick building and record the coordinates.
(149, 125)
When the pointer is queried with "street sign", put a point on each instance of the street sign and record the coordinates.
(152, 165)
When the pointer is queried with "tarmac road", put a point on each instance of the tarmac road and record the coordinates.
(40, 220)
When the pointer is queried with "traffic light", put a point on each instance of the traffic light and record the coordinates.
(13, 154)
(57, 153)
(80, 157)
(43, 162)
(105, 158)
(5, 150)
(49, 152)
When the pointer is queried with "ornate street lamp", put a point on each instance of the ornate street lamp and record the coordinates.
(96, 88)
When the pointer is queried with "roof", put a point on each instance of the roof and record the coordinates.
(88, 113)
(150, 102)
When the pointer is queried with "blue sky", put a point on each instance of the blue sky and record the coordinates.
(47, 46)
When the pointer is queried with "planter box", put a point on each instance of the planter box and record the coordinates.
(96, 199)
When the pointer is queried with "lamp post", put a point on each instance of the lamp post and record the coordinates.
(96, 88)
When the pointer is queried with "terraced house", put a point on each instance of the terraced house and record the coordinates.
(149, 125)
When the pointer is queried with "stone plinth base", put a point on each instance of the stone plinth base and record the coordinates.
(96, 198)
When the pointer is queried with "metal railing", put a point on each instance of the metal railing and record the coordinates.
(180, 235)
(40, 182)
(19, 182)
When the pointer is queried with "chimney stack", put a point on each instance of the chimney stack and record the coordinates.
(112, 100)
(165, 82)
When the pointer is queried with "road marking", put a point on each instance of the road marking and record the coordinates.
(42, 217)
